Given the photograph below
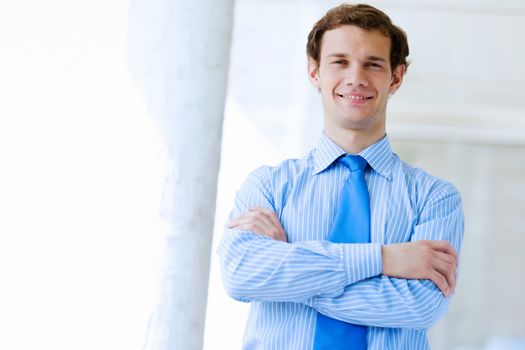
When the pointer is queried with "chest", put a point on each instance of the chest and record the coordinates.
(307, 211)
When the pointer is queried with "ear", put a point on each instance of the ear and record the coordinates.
(313, 73)
(397, 78)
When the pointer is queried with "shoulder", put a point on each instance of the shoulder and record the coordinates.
(286, 170)
(274, 181)
(428, 189)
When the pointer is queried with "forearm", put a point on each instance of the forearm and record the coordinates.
(412, 302)
(386, 302)
(256, 268)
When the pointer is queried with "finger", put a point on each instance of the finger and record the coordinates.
(445, 247)
(266, 231)
(277, 224)
(235, 223)
(447, 270)
(263, 213)
(274, 222)
(258, 216)
(266, 211)
(240, 219)
(446, 264)
(450, 259)
(246, 220)
(255, 225)
(265, 223)
(442, 264)
(441, 282)
(260, 224)
(272, 215)
(265, 219)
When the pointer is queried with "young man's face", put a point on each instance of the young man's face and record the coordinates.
(355, 79)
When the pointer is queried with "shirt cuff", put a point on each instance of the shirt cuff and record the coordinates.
(362, 260)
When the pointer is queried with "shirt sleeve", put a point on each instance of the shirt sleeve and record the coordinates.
(384, 301)
(257, 268)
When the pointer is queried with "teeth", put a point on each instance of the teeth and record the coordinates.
(354, 97)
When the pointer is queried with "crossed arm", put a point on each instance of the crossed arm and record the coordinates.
(425, 259)
(395, 285)
(402, 294)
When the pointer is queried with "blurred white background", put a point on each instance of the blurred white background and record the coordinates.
(82, 166)
(80, 180)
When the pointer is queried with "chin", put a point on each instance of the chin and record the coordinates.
(356, 123)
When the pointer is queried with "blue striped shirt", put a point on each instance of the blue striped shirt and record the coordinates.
(287, 283)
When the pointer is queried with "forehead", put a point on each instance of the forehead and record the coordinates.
(351, 40)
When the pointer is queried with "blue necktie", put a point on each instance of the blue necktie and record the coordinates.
(351, 225)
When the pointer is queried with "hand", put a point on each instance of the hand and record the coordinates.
(433, 260)
(261, 221)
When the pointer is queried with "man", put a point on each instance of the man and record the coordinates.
(319, 275)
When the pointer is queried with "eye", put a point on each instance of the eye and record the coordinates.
(373, 65)
(339, 62)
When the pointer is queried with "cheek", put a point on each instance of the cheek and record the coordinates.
(328, 83)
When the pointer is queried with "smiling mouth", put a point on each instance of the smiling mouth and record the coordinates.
(354, 97)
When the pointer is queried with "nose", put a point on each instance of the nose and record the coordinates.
(356, 76)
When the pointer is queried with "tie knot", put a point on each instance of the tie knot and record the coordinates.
(354, 162)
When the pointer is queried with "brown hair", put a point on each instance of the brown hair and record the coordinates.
(365, 17)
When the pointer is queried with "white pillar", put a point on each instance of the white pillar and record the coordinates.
(178, 53)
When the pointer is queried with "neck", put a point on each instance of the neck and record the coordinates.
(354, 141)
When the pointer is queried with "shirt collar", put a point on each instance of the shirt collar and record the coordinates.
(379, 155)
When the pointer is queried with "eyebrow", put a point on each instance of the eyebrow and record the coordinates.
(368, 58)
(376, 58)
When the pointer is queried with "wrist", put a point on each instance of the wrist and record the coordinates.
(385, 259)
